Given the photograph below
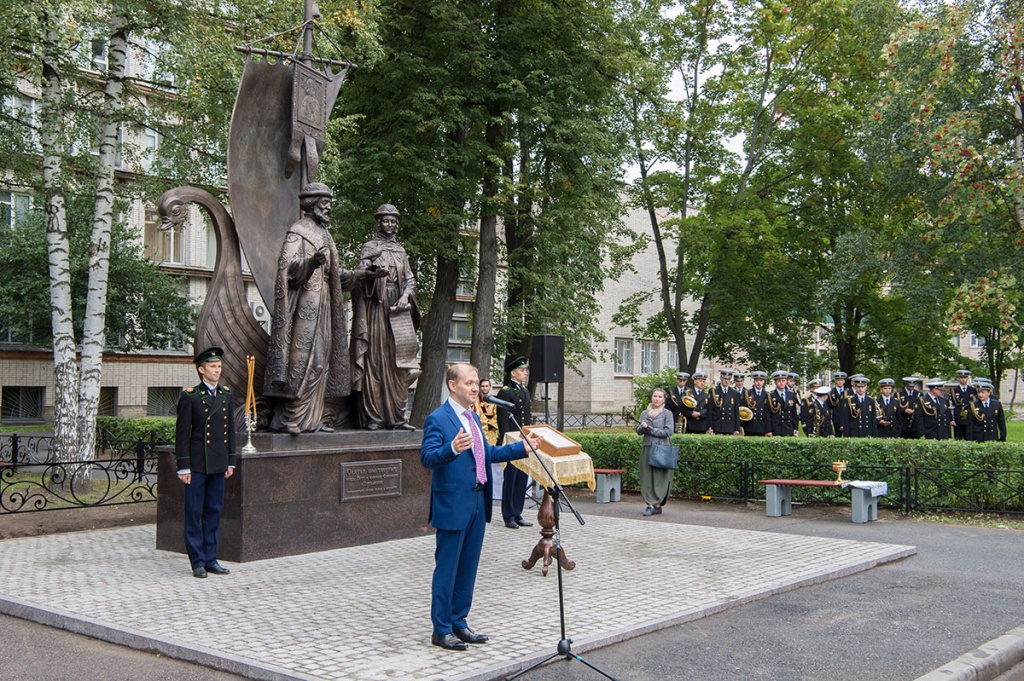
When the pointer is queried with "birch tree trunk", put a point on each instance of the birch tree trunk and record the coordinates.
(58, 246)
(94, 331)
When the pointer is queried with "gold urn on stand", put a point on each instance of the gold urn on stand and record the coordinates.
(839, 467)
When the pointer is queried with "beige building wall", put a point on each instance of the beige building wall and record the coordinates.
(599, 387)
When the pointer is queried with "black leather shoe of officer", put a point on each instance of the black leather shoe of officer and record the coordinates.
(511, 524)
(199, 572)
(523, 523)
(216, 568)
(448, 642)
(467, 635)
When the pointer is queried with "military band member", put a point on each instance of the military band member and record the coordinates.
(204, 448)
(791, 379)
(935, 412)
(816, 415)
(960, 399)
(807, 399)
(836, 395)
(859, 411)
(888, 409)
(909, 401)
(986, 421)
(697, 419)
(782, 408)
(756, 399)
(724, 406)
(675, 400)
(738, 380)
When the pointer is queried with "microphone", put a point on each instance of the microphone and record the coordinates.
(500, 403)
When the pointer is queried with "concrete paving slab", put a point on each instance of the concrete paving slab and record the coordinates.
(363, 613)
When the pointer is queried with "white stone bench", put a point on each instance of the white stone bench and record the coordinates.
(864, 496)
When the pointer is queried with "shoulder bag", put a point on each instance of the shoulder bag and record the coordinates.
(663, 456)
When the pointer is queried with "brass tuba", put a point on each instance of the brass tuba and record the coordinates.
(746, 413)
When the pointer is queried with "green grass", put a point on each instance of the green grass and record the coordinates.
(991, 520)
(23, 428)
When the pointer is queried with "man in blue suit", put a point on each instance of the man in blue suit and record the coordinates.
(460, 458)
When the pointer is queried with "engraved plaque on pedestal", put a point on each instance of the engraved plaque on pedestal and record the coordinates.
(371, 479)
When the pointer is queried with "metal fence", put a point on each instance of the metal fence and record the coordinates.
(33, 479)
(911, 488)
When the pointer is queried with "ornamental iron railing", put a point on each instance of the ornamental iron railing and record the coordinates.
(33, 479)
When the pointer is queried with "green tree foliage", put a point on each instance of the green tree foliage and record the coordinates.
(146, 307)
(955, 96)
(480, 109)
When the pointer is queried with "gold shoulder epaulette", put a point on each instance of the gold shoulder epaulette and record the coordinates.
(226, 389)
(190, 390)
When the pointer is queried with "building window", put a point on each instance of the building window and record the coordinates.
(14, 207)
(149, 148)
(22, 109)
(162, 401)
(649, 357)
(108, 402)
(672, 356)
(624, 356)
(459, 332)
(163, 245)
(457, 354)
(466, 288)
(20, 404)
(977, 341)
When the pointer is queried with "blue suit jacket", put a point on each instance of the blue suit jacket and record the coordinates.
(453, 476)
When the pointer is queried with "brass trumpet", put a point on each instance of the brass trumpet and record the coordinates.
(746, 413)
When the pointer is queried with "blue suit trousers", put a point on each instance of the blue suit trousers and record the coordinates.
(456, 557)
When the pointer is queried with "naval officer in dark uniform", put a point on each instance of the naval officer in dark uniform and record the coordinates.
(961, 397)
(204, 447)
(513, 486)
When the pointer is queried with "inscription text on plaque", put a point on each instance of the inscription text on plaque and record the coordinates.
(371, 479)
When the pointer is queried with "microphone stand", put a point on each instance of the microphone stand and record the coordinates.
(564, 647)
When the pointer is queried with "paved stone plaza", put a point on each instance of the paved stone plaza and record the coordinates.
(363, 612)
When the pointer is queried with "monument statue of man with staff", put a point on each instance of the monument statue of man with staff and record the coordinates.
(307, 361)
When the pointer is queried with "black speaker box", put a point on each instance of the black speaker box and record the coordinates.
(547, 359)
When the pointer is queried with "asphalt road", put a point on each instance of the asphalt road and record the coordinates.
(897, 621)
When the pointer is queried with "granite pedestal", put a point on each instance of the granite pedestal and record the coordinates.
(307, 493)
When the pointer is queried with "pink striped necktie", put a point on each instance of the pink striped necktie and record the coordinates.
(478, 447)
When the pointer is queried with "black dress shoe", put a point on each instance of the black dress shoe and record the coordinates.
(216, 568)
(511, 524)
(448, 642)
(523, 523)
(199, 572)
(467, 635)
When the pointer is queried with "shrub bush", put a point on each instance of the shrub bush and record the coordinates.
(730, 467)
(157, 429)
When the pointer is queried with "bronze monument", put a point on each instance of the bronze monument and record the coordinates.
(384, 323)
(302, 488)
(307, 363)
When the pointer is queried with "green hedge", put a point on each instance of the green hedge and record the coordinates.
(730, 467)
(158, 428)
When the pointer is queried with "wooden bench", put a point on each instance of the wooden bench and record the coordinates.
(609, 484)
(779, 498)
